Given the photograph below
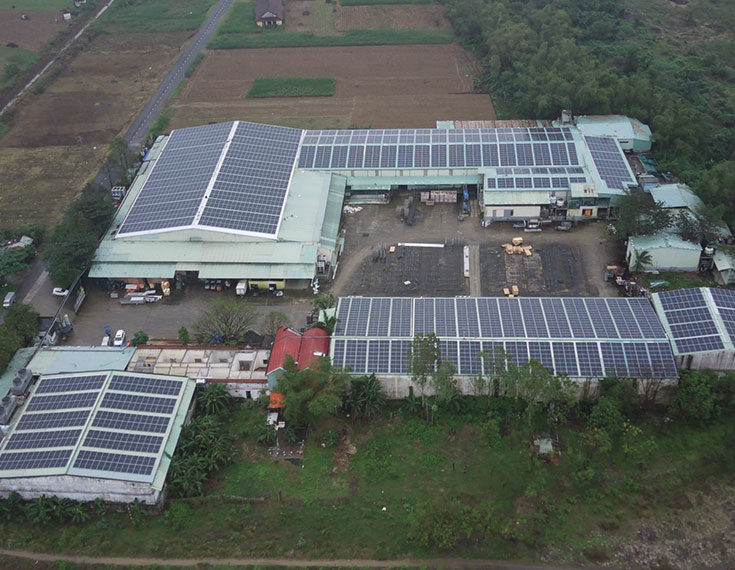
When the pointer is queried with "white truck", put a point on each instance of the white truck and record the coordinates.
(242, 287)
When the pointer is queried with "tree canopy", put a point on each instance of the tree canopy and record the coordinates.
(639, 215)
(225, 321)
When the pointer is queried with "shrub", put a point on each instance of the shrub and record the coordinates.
(696, 397)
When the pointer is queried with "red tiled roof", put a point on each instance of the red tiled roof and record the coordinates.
(314, 344)
(287, 342)
(276, 400)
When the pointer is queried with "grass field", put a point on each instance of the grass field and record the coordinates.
(349, 38)
(292, 87)
(34, 5)
(153, 16)
(19, 58)
(371, 495)
(240, 19)
(374, 2)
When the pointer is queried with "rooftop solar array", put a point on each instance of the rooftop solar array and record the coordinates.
(610, 162)
(698, 320)
(438, 148)
(229, 176)
(111, 426)
(579, 337)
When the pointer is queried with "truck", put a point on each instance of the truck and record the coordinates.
(242, 287)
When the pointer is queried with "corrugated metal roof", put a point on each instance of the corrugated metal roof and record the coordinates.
(516, 198)
(676, 196)
(618, 126)
(662, 240)
(61, 359)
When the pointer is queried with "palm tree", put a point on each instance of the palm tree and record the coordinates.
(214, 399)
(79, 513)
(366, 397)
(642, 260)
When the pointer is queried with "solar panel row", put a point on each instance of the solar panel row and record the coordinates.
(573, 358)
(572, 318)
(610, 162)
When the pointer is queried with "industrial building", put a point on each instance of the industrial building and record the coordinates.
(701, 326)
(243, 201)
(585, 339)
(83, 436)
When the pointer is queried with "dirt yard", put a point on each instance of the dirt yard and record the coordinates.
(98, 94)
(37, 184)
(391, 16)
(30, 34)
(376, 86)
(563, 263)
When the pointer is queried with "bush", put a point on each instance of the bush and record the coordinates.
(696, 397)
(139, 338)
(606, 415)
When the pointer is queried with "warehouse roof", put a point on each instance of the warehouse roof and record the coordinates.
(662, 240)
(578, 337)
(106, 425)
(619, 126)
(676, 196)
(697, 320)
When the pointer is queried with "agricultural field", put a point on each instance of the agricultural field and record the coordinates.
(36, 184)
(292, 87)
(153, 16)
(397, 16)
(376, 86)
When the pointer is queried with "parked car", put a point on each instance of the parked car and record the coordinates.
(564, 226)
(60, 292)
(10, 298)
(119, 338)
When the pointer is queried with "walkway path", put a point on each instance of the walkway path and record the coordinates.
(455, 563)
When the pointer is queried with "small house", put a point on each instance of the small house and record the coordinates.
(269, 13)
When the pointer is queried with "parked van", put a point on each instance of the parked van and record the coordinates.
(10, 298)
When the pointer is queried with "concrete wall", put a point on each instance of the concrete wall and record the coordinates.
(720, 360)
(80, 489)
(246, 390)
(519, 212)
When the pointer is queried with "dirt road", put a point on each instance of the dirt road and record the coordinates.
(288, 562)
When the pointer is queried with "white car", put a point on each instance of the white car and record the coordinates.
(119, 338)
(60, 292)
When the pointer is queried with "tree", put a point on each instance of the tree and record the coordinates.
(696, 397)
(639, 214)
(445, 385)
(366, 397)
(23, 320)
(13, 261)
(70, 249)
(121, 157)
(273, 321)
(643, 259)
(225, 321)
(423, 357)
(324, 301)
(718, 188)
(310, 395)
(139, 338)
(700, 225)
(95, 205)
(328, 323)
(214, 399)
(184, 335)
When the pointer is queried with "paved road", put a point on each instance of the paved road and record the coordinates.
(136, 133)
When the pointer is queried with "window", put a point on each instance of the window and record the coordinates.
(198, 360)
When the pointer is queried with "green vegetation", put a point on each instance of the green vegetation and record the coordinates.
(4, 128)
(35, 5)
(651, 59)
(240, 19)
(373, 2)
(348, 38)
(292, 87)
(19, 329)
(13, 62)
(192, 66)
(135, 16)
(160, 125)
(73, 242)
(224, 321)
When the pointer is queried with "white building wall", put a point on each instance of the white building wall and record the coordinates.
(499, 212)
(80, 489)
(720, 360)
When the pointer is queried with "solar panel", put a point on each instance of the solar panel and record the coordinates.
(356, 355)
(135, 403)
(637, 356)
(610, 162)
(131, 422)
(70, 384)
(590, 362)
(601, 319)
(358, 318)
(423, 316)
(388, 157)
(356, 157)
(52, 420)
(699, 344)
(338, 354)
(493, 353)
(533, 317)
(250, 189)
(379, 322)
(421, 156)
(541, 352)
(613, 359)
(438, 155)
(662, 360)
(445, 317)
(625, 320)
(339, 157)
(34, 459)
(144, 385)
(556, 318)
(123, 441)
(510, 316)
(400, 317)
(467, 317)
(343, 312)
(378, 356)
(701, 328)
(565, 359)
(306, 156)
(43, 439)
(517, 352)
(541, 153)
(449, 351)
(399, 356)
(682, 299)
(62, 401)
(372, 156)
(470, 361)
(115, 462)
(723, 298)
(579, 320)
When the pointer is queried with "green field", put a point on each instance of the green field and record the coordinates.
(349, 38)
(399, 486)
(153, 16)
(373, 2)
(35, 5)
(240, 19)
(292, 87)
(13, 62)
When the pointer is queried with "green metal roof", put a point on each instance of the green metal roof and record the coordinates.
(19, 360)
(661, 240)
(515, 197)
(62, 359)
(49, 421)
(676, 196)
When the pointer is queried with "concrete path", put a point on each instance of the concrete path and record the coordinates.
(475, 272)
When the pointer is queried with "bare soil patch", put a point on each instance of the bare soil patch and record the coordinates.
(37, 184)
(30, 34)
(391, 16)
(98, 93)
(376, 86)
